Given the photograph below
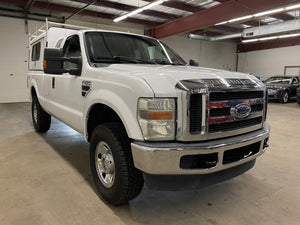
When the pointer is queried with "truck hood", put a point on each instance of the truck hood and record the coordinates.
(163, 78)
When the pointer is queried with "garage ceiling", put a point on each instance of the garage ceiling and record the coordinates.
(172, 17)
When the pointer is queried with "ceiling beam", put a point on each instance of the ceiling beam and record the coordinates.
(67, 9)
(128, 8)
(278, 43)
(219, 13)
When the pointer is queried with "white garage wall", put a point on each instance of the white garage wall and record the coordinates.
(14, 54)
(266, 63)
(13, 60)
(220, 55)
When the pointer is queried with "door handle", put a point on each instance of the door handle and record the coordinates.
(53, 82)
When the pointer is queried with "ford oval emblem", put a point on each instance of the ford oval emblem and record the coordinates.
(241, 110)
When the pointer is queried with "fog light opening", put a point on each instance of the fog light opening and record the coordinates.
(199, 161)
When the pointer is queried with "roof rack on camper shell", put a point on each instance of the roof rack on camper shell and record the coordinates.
(48, 24)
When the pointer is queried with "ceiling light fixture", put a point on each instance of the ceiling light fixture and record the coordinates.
(265, 13)
(250, 40)
(268, 38)
(217, 24)
(288, 35)
(268, 12)
(139, 10)
(292, 7)
(240, 18)
(271, 38)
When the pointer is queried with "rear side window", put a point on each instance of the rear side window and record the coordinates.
(36, 49)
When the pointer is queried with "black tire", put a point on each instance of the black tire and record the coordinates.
(128, 181)
(41, 119)
(284, 98)
(298, 100)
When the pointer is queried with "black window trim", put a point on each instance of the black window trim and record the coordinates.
(32, 51)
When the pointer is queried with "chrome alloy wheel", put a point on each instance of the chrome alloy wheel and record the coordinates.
(105, 165)
(285, 97)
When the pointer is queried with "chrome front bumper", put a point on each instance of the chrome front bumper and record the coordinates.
(164, 158)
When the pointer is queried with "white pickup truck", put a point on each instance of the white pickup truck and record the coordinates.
(142, 108)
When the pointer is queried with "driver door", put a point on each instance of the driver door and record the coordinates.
(65, 90)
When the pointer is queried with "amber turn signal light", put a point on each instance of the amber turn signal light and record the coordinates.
(149, 115)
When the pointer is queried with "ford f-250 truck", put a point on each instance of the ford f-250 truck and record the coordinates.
(142, 108)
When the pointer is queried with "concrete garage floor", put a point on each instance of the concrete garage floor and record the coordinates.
(45, 179)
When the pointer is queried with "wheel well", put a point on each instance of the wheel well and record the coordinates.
(33, 92)
(100, 114)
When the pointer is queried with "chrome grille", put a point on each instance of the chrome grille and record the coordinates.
(221, 96)
(220, 127)
(195, 116)
(220, 121)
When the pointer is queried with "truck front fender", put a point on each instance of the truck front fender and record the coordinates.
(126, 110)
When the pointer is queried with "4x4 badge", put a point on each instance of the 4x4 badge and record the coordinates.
(85, 87)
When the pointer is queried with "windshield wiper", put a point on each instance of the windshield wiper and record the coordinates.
(164, 62)
(177, 64)
(129, 59)
(104, 59)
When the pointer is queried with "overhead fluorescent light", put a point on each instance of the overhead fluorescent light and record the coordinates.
(268, 12)
(268, 38)
(271, 38)
(120, 18)
(250, 40)
(265, 13)
(139, 10)
(289, 35)
(240, 18)
(153, 4)
(293, 7)
(221, 23)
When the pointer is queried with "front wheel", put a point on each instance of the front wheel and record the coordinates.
(285, 97)
(298, 100)
(114, 174)
(41, 119)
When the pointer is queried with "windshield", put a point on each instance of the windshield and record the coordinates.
(105, 47)
(278, 80)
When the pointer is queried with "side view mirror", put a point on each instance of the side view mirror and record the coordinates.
(54, 62)
(194, 62)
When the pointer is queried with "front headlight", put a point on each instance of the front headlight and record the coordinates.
(157, 118)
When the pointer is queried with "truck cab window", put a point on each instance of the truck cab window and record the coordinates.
(71, 49)
(35, 54)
